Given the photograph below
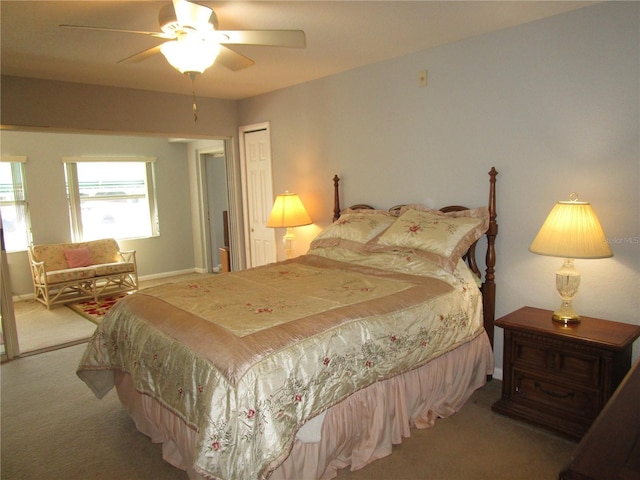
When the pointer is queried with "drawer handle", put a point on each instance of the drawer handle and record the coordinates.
(551, 393)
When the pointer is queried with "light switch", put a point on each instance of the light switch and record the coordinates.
(422, 78)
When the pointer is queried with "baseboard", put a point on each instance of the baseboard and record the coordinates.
(22, 297)
(156, 276)
(497, 373)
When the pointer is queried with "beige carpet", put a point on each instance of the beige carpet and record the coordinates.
(473, 444)
(40, 328)
(53, 428)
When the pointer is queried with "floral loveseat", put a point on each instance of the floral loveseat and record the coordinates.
(69, 272)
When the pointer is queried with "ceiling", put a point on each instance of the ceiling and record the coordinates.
(341, 35)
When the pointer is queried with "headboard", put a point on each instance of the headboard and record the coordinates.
(488, 287)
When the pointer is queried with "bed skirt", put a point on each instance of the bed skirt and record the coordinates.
(355, 432)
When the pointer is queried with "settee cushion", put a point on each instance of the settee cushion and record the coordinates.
(69, 275)
(113, 268)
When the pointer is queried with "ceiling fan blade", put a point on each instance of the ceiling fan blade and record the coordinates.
(270, 38)
(140, 56)
(118, 30)
(233, 60)
(190, 14)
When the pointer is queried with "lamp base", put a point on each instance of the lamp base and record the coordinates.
(567, 282)
(288, 239)
(565, 319)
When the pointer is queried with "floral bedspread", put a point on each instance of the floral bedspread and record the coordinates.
(246, 358)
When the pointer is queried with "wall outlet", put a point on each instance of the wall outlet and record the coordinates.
(422, 78)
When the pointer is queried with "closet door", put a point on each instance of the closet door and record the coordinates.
(260, 241)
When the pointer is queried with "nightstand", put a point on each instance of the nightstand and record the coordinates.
(560, 377)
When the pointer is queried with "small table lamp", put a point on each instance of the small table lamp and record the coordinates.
(572, 230)
(288, 211)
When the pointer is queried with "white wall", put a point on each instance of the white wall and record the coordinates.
(553, 104)
(172, 251)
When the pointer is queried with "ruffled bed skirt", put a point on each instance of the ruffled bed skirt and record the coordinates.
(356, 431)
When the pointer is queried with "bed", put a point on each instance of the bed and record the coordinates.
(297, 369)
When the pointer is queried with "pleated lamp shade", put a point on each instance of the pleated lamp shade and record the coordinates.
(288, 211)
(572, 230)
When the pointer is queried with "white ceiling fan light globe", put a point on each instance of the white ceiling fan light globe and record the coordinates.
(191, 53)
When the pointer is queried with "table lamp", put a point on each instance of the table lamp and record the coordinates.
(572, 230)
(288, 212)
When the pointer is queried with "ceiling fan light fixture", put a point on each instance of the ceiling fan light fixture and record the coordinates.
(191, 53)
(194, 40)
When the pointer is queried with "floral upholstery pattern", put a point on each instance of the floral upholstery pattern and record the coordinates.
(55, 281)
(69, 275)
(113, 268)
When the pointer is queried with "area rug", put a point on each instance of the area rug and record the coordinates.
(95, 311)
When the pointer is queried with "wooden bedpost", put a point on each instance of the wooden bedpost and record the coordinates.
(489, 284)
(336, 198)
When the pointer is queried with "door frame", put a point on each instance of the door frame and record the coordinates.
(7, 315)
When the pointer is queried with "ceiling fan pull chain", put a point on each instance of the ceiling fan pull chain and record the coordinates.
(195, 108)
(193, 96)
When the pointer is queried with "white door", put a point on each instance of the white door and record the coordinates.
(260, 241)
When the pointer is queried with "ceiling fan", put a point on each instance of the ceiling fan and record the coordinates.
(194, 43)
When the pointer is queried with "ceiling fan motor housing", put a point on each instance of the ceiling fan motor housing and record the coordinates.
(169, 22)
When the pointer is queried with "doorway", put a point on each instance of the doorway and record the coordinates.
(217, 197)
(218, 218)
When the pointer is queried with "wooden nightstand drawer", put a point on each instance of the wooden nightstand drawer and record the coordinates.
(557, 397)
(560, 377)
(557, 358)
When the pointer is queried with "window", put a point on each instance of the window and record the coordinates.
(13, 204)
(111, 197)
